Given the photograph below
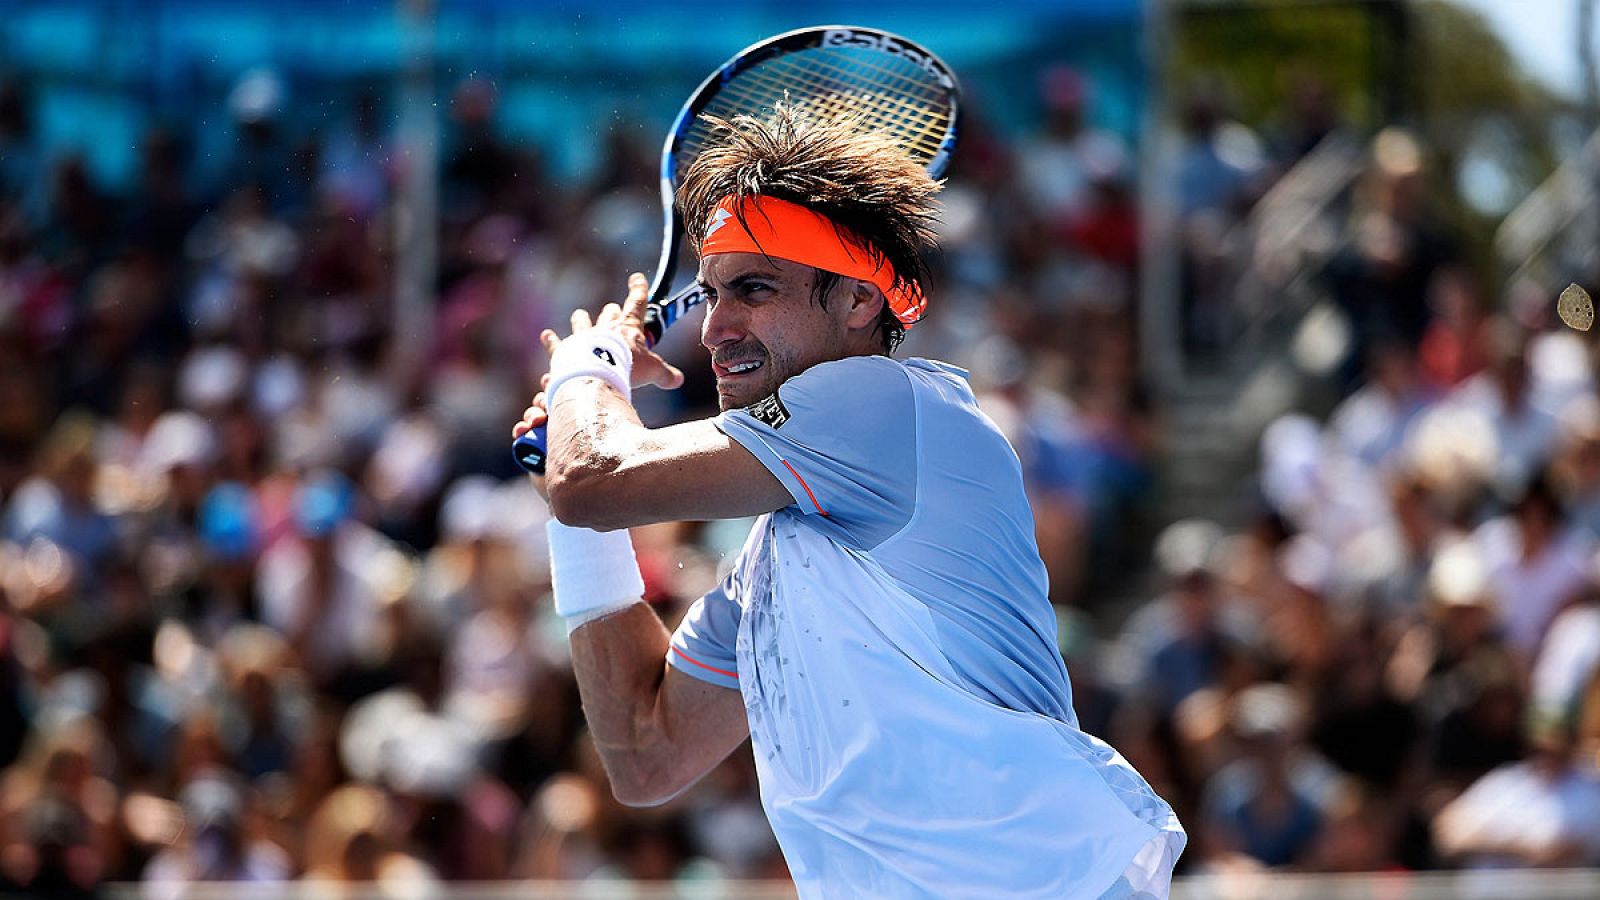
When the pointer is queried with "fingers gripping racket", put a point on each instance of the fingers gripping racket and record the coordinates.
(870, 80)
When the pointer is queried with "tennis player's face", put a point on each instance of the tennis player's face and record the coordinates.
(763, 325)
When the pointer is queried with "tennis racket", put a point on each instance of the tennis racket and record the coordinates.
(871, 80)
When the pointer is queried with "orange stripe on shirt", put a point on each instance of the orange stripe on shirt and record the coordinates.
(704, 666)
(803, 484)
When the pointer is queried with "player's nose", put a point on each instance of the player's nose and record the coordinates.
(722, 324)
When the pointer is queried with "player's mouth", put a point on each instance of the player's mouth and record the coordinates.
(737, 368)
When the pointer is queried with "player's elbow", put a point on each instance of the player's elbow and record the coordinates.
(582, 509)
(639, 796)
(578, 494)
(639, 787)
(569, 503)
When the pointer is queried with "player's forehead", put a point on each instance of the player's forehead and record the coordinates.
(726, 268)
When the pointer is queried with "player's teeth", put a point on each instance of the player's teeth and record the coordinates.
(743, 367)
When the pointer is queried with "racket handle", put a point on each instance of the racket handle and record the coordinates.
(530, 450)
(653, 324)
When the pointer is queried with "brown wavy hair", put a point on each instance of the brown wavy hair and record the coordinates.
(864, 183)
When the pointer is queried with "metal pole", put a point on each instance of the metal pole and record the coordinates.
(1588, 229)
(1586, 64)
(1160, 343)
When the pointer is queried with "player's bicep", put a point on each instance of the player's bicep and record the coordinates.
(688, 471)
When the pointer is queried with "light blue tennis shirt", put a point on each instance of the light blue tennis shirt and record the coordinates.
(890, 634)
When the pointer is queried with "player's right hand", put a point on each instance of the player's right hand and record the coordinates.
(627, 318)
(532, 418)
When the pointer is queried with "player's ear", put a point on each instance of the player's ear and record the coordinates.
(865, 302)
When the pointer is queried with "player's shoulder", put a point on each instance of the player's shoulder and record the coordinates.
(851, 381)
(878, 392)
(940, 372)
(877, 373)
(852, 367)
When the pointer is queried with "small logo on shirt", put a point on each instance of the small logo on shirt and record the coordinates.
(771, 411)
(605, 356)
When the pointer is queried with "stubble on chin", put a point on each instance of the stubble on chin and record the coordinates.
(744, 395)
(726, 401)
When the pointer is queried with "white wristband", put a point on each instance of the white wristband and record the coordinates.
(593, 573)
(596, 353)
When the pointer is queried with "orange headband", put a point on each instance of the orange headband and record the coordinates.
(784, 230)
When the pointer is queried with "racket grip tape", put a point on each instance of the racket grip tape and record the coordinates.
(531, 450)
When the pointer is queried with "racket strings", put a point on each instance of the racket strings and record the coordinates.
(919, 130)
(800, 74)
(909, 97)
(833, 86)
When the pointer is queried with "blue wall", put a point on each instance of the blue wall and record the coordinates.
(99, 73)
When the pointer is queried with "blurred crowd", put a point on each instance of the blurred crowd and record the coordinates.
(274, 602)
(1395, 663)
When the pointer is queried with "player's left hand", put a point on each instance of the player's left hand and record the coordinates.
(627, 319)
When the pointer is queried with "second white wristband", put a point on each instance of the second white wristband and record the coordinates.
(593, 573)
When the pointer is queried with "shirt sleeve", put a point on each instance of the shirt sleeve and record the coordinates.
(704, 645)
(842, 437)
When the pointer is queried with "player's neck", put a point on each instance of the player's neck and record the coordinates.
(865, 343)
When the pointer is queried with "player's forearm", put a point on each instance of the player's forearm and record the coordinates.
(618, 661)
(592, 430)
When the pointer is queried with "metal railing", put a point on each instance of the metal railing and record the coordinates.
(1552, 230)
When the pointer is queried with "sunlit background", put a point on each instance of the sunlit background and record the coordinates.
(1262, 292)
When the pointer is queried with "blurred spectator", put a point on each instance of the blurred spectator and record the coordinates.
(1312, 115)
(322, 587)
(58, 505)
(480, 166)
(1382, 275)
(215, 844)
(259, 158)
(1568, 663)
(352, 838)
(356, 164)
(1359, 725)
(1265, 804)
(55, 860)
(1371, 424)
(1219, 156)
(1457, 672)
(77, 228)
(1459, 340)
(1219, 162)
(1191, 636)
(1524, 430)
(1536, 562)
(1541, 812)
(1388, 563)
(1357, 834)
(1060, 163)
(1575, 466)
(160, 212)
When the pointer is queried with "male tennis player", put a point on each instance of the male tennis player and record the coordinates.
(884, 637)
